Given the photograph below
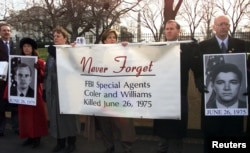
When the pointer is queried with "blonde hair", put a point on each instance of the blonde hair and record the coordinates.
(59, 29)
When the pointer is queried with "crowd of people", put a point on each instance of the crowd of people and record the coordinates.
(30, 122)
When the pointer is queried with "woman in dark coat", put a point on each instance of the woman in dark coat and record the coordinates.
(63, 127)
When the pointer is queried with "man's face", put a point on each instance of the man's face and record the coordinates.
(171, 32)
(221, 27)
(226, 86)
(23, 78)
(5, 33)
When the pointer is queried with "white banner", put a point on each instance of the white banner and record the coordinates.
(136, 81)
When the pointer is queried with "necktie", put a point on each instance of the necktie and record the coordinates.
(223, 47)
(7, 46)
(21, 95)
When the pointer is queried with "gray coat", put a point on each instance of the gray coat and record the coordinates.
(61, 125)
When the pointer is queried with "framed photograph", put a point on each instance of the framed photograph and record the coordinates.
(225, 78)
(22, 85)
(80, 41)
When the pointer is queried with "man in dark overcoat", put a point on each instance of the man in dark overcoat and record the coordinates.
(7, 48)
(173, 131)
(221, 42)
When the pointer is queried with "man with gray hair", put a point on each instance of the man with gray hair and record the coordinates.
(220, 43)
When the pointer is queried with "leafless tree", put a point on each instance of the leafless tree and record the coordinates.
(5, 7)
(153, 11)
(152, 18)
(77, 16)
(192, 14)
(110, 12)
(170, 9)
(208, 7)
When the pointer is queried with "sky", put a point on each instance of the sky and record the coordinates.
(18, 3)
(11, 4)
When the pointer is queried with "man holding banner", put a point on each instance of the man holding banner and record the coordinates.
(172, 131)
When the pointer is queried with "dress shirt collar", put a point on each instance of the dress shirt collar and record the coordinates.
(24, 92)
(220, 41)
(235, 105)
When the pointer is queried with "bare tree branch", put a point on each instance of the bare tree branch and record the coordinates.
(192, 14)
(77, 16)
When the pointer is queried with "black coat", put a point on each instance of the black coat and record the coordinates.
(13, 49)
(218, 125)
(30, 92)
(5, 57)
(168, 128)
(248, 78)
(212, 104)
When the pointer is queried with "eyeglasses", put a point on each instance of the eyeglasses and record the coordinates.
(223, 23)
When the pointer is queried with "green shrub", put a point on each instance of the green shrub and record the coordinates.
(43, 53)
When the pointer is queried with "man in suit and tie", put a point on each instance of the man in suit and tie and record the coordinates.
(6, 48)
(170, 131)
(220, 43)
(23, 77)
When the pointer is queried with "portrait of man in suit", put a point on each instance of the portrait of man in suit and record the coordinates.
(23, 78)
(226, 80)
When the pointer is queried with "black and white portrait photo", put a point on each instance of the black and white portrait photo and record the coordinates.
(80, 41)
(226, 82)
(22, 82)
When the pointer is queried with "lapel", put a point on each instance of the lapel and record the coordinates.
(4, 49)
(215, 47)
(230, 45)
(11, 47)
